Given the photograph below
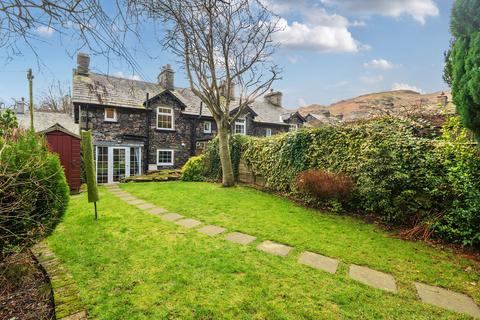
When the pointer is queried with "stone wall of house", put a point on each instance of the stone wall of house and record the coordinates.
(260, 129)
(178, 140)
(129, 122)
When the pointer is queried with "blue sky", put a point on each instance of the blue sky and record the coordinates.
(330, 50)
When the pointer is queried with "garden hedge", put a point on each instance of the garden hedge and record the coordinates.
(430, 186)
(33, 190)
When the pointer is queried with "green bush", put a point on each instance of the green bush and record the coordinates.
(430, 186)
(34, 193)
(193, 169)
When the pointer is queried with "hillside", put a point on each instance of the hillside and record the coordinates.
(382, 102)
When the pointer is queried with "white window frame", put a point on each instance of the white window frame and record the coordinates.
(165, 163)
(207, 127)
(107, 119)
(240, 122)
(268, 132)
(171, 114)
(293, 126)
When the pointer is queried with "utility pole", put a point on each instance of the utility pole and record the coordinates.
(30, 88)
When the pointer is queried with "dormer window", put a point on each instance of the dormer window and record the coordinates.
(110, 114)
(240, 126)
(165, 120)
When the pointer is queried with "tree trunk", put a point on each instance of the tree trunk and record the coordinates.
(228, 179)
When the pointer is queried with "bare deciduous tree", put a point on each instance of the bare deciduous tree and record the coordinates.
(83, 22)
(222, 45)
(56, 98)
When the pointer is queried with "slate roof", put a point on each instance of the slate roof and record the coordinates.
(44, 120)
(113, 91)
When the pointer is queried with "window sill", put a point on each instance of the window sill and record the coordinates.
(165, 130)
(165, 164)
(110, 121)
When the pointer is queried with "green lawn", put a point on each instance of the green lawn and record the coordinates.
(131, 265)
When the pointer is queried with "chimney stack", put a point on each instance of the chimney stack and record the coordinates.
(83, 64)
(166, 78)
(231, 90)
(20, 106)
(274, 97)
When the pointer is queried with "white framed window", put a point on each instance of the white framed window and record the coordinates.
(110, 114)
(165, 157)
(240, 126)
(293, 127)
(268, 132)
(207, 127)
(165, 118)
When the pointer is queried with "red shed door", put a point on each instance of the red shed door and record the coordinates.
(68, 149)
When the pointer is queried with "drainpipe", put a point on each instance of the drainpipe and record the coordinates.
(147, 143)
(193, 135)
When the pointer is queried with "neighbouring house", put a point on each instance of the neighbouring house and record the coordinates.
(62, 135)
(322, 117)
(141, 126)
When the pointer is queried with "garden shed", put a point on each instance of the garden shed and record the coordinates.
(67, 145)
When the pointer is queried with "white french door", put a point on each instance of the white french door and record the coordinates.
(118, 164)
(115, 163)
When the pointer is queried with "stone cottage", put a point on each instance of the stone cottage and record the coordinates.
(141, 126)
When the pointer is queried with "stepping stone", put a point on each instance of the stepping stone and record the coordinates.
(447, 299)
(138, 201)
(240, 238)
(318, 261)
(211, 230)
(274, 248)
(156, 211)
(145, 206)
(77, 316)
(171, 216)
(129, 198)
(373, 278)
(188, 223)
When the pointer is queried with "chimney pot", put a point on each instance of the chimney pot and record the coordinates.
(166, 78)
(83, 63)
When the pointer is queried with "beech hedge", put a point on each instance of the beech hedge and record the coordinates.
(431, 186)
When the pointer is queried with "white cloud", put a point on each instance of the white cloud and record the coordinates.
(317, 37)
(417, 9)
(312, 27)
(301, 102)
(45, 31)
(293, 59)
(371, 79)
(380, 64)
(404, 86)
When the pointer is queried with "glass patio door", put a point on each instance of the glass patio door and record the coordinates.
(119, 164)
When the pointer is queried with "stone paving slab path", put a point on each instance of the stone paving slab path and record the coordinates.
(156, 211)
(145, 206)
(447, 299)
(136, 202)
(211, 230)
(277, 249)
(240, 238)
(188, 223)
(318, 261)
(171, 217)
(373, 278)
